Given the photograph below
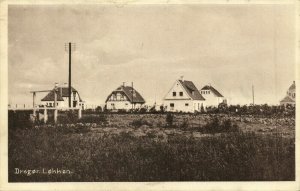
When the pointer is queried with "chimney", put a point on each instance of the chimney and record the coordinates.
(61, 91)
(65, 84)
(294, 82)
(182, 78)
(123, 84)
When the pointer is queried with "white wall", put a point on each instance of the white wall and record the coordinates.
(180, 101)
(180, 105)
(65, 103)
(177, 87)
(211, 99)
(115, 105)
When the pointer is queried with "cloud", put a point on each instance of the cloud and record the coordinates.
(231, 47)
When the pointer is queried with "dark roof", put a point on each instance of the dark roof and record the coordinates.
(61, 92)
(127, 90)
(216, 92)
(293, 86)
(190, 87)
(287, 99)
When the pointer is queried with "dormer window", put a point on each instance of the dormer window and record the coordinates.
(181, 93)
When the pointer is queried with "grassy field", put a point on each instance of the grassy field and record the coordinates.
(148, 148)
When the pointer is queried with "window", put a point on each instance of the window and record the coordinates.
(50, 104)
(181, 93)
(112, 104)
(186, 104)
(174, 94)
(193, 92)
(171, 104)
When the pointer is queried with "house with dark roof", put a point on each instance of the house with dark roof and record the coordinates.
(124, 98)
(212, 96)
(62, 98)
(183, 97)
(290, 96)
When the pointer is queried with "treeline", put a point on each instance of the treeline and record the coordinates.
(264, 110)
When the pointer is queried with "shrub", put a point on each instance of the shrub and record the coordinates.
(152, 109)
(169, 120)
(185, 124)
(98, 119)
(143, 110)
(162, 109)
(202, 109)
(19, 119)
(122, 111)
(98, 109)
(140, 122)
(215, 126)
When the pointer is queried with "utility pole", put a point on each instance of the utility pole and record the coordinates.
(253, 95)
(132, 94)
(55, 103)
(70, 71)
(69, 49)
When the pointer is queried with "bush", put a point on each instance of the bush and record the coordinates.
(19, 119)
(215, 126)
(98, 119)
(185, 124)
(98, 109)
(162, 109)
(66, 117)
(169, 120)
(140, 122)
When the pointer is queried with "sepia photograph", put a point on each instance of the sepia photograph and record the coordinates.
(141, 92)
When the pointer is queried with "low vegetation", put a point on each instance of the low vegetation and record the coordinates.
(104, 157)
(152, 147)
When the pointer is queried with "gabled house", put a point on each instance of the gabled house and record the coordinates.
(62, 98)
(290, 97)
(183, 97)
(124, 98)
(212, 96)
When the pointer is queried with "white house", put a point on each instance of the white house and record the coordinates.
(290, 97)
(124, 97)
(212, 96)
(183, 96)
(62, 93)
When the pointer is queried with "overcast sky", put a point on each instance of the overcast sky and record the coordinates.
(230, 47)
